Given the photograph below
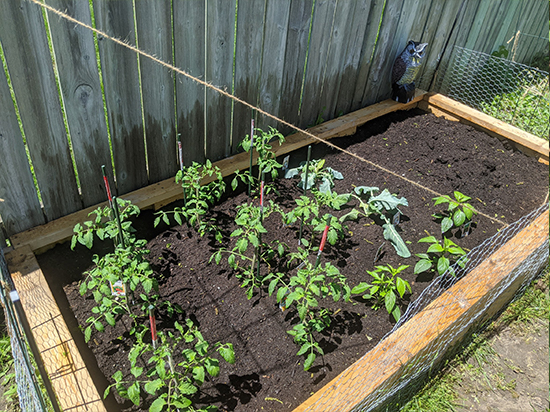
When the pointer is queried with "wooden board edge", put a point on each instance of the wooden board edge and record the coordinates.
(71, 380)
(447, 107)
(390, 357)
(44, 237)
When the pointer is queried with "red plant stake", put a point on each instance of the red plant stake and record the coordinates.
(153, 325)
(107, 188)
(323, 241)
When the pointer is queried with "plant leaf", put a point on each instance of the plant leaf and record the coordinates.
(422, 265)
(152, 386)
(157, 405)
(442, 265)
(133, 393)
(390, 300)
(446, 224)
(228, 353)
(309, 361)
(390, 234)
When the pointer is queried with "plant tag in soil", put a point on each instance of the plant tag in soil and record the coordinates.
(117, 288)
(466, 230)
(396, 218)
(285, 163)
(378, 254)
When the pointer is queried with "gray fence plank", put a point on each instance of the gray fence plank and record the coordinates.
(19, 205)
(350, 22)
(295, 58)
(189, 52)
(367, 49)
(157, 84)
(311, 109)
(219, 71)
(83, 101)
(29, 63)
(378, 83)
(248, 60)
(273, 60)
(122, 94)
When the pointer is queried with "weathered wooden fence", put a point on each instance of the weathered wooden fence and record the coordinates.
(72, 100)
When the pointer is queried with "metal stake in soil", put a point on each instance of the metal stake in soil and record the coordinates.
(305, 191)
(180, 151)
(251, 147)
(153, 324)
(261, 220)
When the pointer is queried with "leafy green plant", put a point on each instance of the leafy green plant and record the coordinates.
(439, 257)
(171, 384)
(203, 186)
(385, 288)
(458, 213)
(104, 225)
(127, 267)
(305, 289)
(385, 206)
(248, 234)
(7, 372)
(316, 173)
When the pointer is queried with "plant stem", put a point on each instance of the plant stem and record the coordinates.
(251, 148)
(261, 221)
(305, 192)
(180, 150)
(117, 217)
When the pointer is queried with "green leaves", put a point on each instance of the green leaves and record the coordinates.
(391, 234)
(316, 173)
(458, 213)
(439, 257)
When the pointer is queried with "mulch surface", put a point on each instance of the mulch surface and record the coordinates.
(441, 155)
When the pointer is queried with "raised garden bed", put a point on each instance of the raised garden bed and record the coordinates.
(438, 154)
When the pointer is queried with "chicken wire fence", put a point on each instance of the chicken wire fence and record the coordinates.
(29, 392)
(512, 92)
(392, 394)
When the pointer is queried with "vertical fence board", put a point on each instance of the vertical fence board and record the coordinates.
(19, 205)
(248, 59)
(367, 49)
(189, 49)
(378, 82)
(348, 30)
(122, 94)
(83, 101)
(219, 71)
(502, 29)
(273, 59)
(323, 15)
(154, 29)
(299, 21)
(438, 29)
(30, 66)
(348, 72)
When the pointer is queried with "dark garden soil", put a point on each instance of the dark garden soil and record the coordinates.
(268, 376)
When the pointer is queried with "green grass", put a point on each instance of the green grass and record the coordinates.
(439, 393)
(527, 107)
(7, 373)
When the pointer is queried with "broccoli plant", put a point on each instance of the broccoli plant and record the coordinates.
(316, 173)
(384, 287)
(385, 206)
(203, 186)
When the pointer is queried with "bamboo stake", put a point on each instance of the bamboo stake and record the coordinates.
(250, 150)
(305, 193)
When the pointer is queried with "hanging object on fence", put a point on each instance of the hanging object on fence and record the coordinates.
(404, 71)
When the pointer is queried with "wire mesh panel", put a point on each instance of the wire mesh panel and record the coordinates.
(512, 92)
(28, 390)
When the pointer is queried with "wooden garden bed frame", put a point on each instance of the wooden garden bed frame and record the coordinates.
(72, 381)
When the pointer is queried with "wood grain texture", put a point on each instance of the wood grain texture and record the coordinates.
(122, 93)
(311, 110)
(248, 64)
(295, 59)
(19, 205)
(82, 96)
(43, 237)
(219, 71)
(189, 54)
(70, 378)
(435, 324)
(31, 71)
(273, 61)
(154, 27)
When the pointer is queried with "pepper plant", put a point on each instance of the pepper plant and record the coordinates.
(439, 257)
(385, 288)
(385, 206)
(203, 186)
(171, 384)
(458, 213)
